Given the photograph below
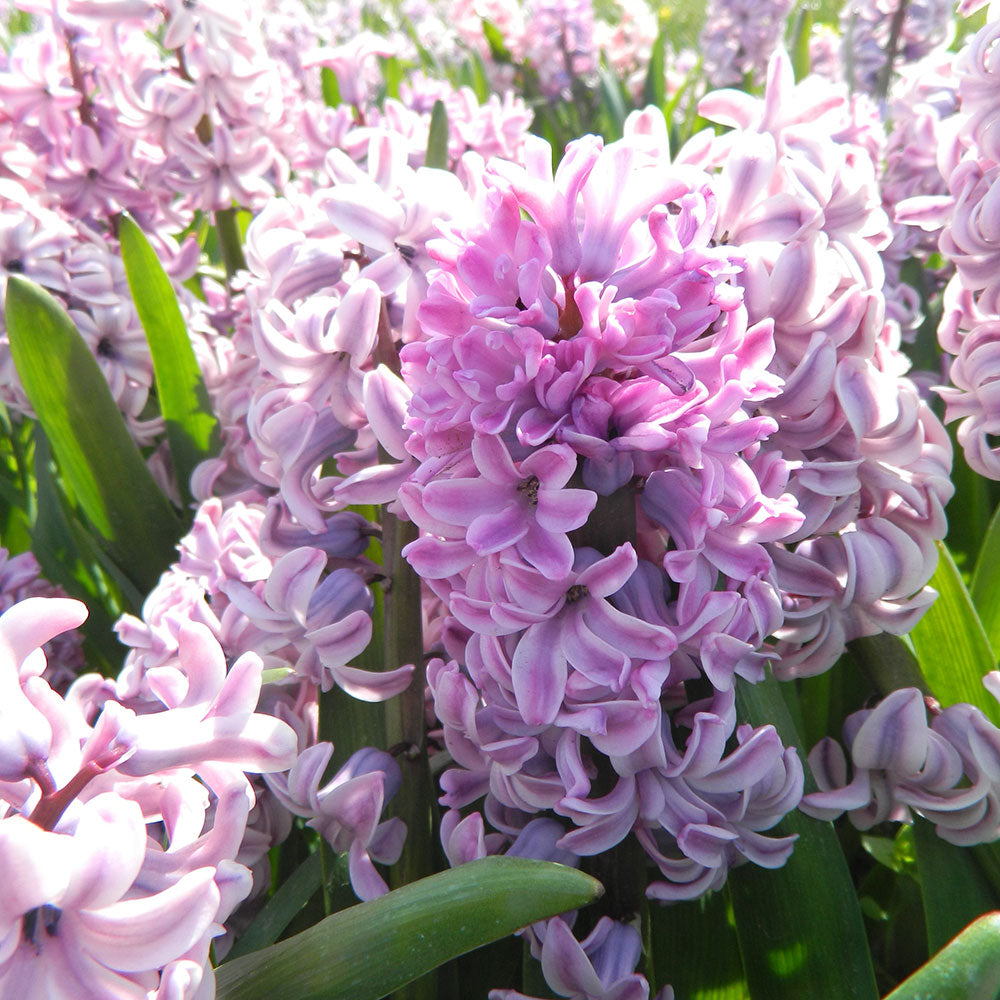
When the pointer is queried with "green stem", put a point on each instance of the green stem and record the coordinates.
(230, 241)
(404, 715)
(891, 51)
(406, 731)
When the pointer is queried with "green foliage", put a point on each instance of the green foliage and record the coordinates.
(985, 586)
(967, 969)
(330, 86)
(655, 85)
(696, 950)
(368, 950)
(954, 888)
(192, 429)
(951, 644)
(800, 928)
(97, 459)
(437, 138)
(494, 39)
(799, 48)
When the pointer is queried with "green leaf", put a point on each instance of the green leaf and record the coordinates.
(480, 81)
(279, 911)
(954, 888)
(801, 62)
(192, 430)
(289, 899)
(331, 87)
(494, 39)
(96, 456)
(800, 927)
(654, 89)
(366, 951)
(437, 138)
(970, 509)
(895, 853)
(696, 949)
(951, 644)
(68, 557)
(612, 101)
(392, 75)
(985, 588)
(967, 969)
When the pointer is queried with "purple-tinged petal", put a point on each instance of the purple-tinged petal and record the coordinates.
(293, 580)
(373, 685)
(564, 510)
(463, 840)
(606, 576)
(493, 460)
(110, 845)
(894, 736)
(498, 530)
(462, 501)
(35, 867)
(365, 879)
(386, 397)
(538, 673)
(551, 554)
(135, 935)
(565, 964)
(29, 624)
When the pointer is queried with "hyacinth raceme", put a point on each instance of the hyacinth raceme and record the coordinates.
(571, 334)
(597, 968)
(967, 217)
(559, 43)
(918, 27)
(738, 39)
(923, 101)
(868, 460)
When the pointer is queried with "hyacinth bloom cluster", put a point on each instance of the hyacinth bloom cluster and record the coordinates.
(870, 461)
(96, 118)
(947, 771)
(738, 39)
(647, 412)
(597, 968)
(916, 26)
(567, 332)
(922, 108)
(120, 828)
(966, 218)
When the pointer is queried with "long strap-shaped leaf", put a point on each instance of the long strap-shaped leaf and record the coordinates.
(95, 454)
(985, 586)
(952, 883)
(369, 950)
(951, 644)
(800, 928)
(192, 430)
(967, 969)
